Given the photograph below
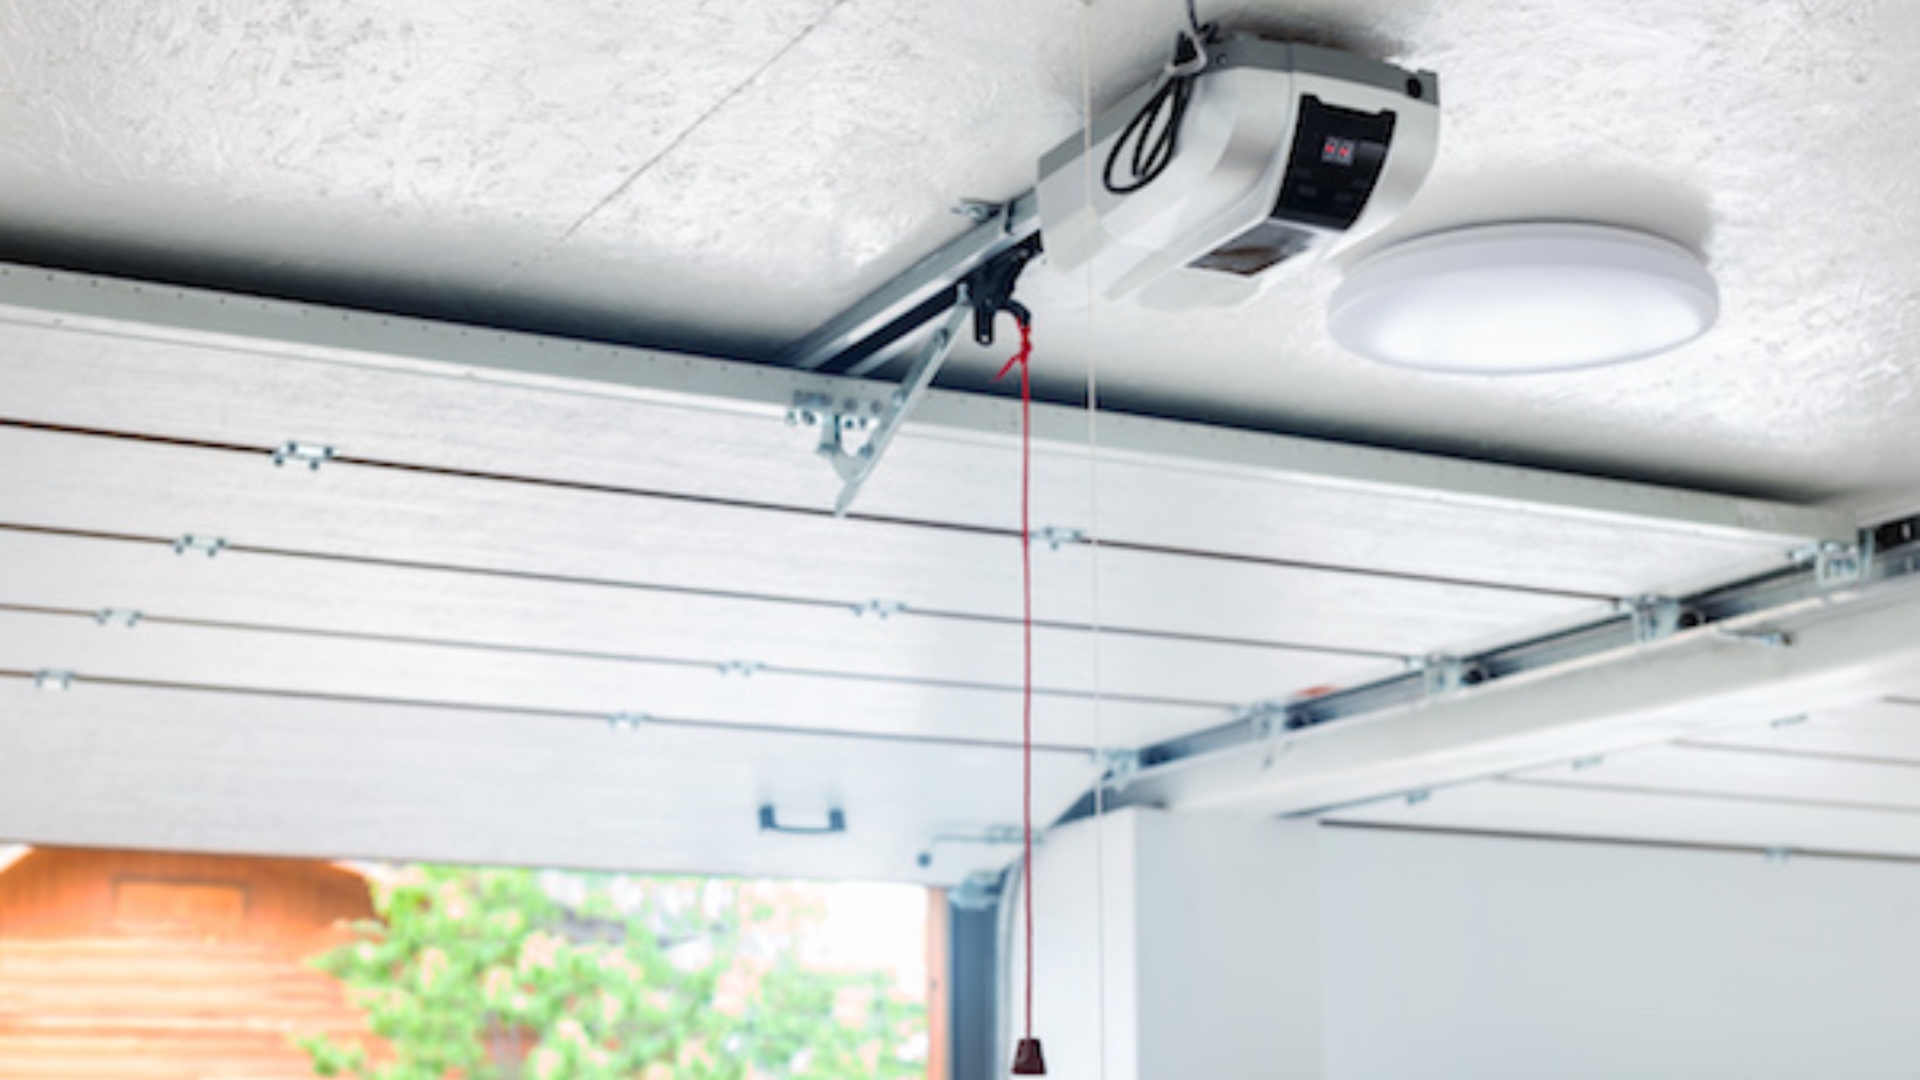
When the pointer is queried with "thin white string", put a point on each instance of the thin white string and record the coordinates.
(1093, 537)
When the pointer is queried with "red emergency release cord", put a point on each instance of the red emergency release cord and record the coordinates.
(1027, 1060)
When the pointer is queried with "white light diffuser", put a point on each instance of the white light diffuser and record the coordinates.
(1515, 298)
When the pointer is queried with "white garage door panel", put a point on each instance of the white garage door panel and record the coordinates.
(1888, 730)
(96, 484)
(197, 656)
(1743, 775)
(74, 377)
(239, 587)
(1512, 807)
(212, 772)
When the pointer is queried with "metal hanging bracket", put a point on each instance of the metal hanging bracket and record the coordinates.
(991, 836)
(1836, 563)
(1268, 722)
(1439, 674)
(982, 295)
(126, 617)
(854, 466)
(978, 211)
(48, 679)
(1264, 719)
(1654, 618)
(979, 892)
(989, 290)
(1119, 767)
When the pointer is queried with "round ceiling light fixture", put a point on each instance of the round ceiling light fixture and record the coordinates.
(1539, 296)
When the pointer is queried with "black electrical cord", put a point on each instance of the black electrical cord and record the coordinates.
(1154, 131)
(1152, 152)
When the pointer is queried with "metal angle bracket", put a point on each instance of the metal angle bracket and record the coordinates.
(1653, 618)
(50, 679)
(1265, 719)
(1836, 563)
(991, 836)
(980, 891)
(126, 617)
(1440, 674)
(985, 292)
(1268, 722)
(1118, 768)
(855, 466)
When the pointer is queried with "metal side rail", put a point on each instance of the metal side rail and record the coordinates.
(1820, 573)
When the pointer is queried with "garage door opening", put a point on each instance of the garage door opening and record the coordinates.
(195, 966)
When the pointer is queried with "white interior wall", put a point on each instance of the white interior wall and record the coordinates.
(1242, 948)
(1481, 959)
(1210, 967)
(1079, 947)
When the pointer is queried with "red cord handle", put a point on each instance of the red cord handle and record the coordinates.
(1030, 1047)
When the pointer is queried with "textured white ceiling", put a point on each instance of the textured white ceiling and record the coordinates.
(726, 177)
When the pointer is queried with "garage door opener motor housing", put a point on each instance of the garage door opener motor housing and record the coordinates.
(1267, 152)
